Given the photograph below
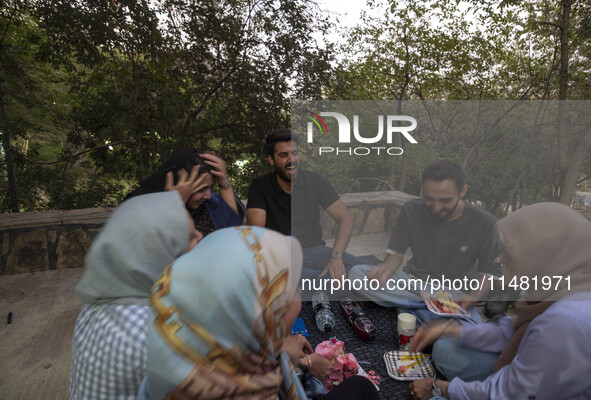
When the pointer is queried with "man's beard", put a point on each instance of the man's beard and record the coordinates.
(283, 175)
(444, 217)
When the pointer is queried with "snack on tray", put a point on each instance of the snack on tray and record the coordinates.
(408, 366)
(445, 302)
(403, 369)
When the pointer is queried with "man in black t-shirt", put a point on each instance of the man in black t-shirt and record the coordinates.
(449, 238)
(288, 200)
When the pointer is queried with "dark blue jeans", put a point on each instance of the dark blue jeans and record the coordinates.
(315, 260)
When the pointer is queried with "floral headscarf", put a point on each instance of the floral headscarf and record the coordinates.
(217, 325)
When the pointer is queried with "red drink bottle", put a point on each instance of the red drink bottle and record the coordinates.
(362, 325)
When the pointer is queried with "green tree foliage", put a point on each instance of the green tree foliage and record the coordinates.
(477, 50)
(36, 113)
(148, 77)
(98, 93)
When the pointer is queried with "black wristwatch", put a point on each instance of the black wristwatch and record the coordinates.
(336, 255)
(435, 391)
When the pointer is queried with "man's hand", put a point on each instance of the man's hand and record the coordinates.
(338, 211)
(256, 216)
(220, 169)
(335, 268)
(188, 184)
(381, 272)
(467, 301)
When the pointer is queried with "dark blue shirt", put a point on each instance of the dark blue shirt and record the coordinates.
(458, 248)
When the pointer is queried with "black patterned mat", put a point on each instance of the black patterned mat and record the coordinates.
(386, 339)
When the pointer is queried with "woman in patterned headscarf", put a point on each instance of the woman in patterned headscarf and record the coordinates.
(109, 350)
(542, 352)
(219, 318)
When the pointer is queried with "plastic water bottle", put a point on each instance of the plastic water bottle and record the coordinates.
(325, 320)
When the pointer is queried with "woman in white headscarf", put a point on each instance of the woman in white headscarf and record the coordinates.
(219, 318)
(543, 352)
(142, 237)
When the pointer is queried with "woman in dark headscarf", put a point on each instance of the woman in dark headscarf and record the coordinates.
(193, 174)
(543, 352)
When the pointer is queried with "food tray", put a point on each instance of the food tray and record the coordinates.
(433, 308)
(393, 361)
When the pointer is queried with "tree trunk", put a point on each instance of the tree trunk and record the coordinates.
(11, 188)
(402, 182)
(566, 187)
(400, 143)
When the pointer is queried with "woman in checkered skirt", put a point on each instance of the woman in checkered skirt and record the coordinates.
(142, 237)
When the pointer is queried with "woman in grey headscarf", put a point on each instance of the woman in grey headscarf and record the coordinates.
(143, 236)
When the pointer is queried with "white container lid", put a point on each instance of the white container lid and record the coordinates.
(407, 322)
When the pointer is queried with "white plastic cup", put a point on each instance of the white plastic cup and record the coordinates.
(407, 324)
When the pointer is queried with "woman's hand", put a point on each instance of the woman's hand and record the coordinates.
(188, 184)
(421, 389)
(320, 367)
(430, 331)
(301, 354)
(220, 170)
(297, 347)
